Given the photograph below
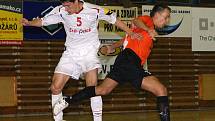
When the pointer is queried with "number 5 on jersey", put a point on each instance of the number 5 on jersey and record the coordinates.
(79, 22)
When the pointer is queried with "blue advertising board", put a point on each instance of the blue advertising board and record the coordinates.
(33, 10)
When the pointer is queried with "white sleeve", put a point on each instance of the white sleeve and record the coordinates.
(103, 14)
(89, 5)
(109, 17)
(53, 17)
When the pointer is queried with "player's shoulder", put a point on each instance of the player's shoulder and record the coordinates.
(58, 9)
(91, 6)
(144, 17)
(98, 8)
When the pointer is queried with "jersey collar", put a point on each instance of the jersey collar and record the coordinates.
(79, 11)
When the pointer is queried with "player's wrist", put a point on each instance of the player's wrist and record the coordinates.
(28, 23)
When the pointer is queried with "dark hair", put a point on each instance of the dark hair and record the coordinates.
(159, 8)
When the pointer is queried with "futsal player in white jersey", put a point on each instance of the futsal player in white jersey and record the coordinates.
(80, 22)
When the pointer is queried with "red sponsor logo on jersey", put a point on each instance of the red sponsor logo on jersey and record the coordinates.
(80, 31)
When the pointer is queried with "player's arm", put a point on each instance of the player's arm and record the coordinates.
(111, 18)
(36, 22)
(122, 26)
(52, 17)
(125, 28)
(107, 49)
(140, 24)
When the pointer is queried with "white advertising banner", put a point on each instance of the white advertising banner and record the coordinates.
(180, 21)
(203, 30)
(109, 31)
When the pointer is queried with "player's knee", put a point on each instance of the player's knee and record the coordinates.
(103, 91)
(161, 91)
(55, 89)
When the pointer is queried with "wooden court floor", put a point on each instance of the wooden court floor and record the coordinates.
(146, 116)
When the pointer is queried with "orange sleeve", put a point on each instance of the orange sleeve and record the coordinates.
(147, 20)
(144, 18)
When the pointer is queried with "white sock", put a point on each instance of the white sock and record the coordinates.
(96, 106)
(55, 98)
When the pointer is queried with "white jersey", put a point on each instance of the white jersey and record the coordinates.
(81, 28)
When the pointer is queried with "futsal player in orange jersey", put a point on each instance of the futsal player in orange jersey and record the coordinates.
(128, 66)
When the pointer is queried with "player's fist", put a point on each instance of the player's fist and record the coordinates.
(152, 33)
(107, 49)
(24, 22)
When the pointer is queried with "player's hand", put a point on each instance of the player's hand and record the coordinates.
(107, 49)
(152, 33)
(136, 36)
(24, 22)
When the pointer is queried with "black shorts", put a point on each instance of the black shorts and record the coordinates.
(128, 68)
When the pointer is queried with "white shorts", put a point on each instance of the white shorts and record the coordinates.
(75, 62)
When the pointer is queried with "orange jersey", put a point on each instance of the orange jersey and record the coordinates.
(141, 47)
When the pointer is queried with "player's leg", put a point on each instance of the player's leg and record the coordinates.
(104, 88)
(96, 102)
(67, 67)
(91, 91)
(58, 82)
(152, 84)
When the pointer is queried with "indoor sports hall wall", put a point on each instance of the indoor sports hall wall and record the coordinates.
(172, 61)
